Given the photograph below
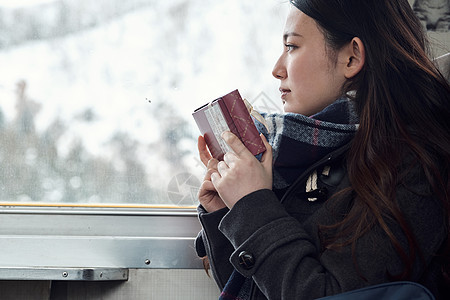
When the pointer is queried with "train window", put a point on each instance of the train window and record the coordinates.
(97, 96)
(98, 160)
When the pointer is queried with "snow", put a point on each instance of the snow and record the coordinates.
(22, 3)
(116, 67)
(184, 53)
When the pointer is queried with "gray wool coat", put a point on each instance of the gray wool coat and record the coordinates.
(277, 243)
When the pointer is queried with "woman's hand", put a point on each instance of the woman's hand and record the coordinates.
(240, 173)
(203, 152)
(208, 196)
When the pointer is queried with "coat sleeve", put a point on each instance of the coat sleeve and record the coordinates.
(215, 245)
(288, 263)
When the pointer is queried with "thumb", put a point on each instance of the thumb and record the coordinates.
(266, 158)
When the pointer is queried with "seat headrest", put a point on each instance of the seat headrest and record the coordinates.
(443, 64)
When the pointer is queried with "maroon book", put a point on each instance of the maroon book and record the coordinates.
(227, 113)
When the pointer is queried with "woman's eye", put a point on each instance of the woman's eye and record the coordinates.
(289, 47)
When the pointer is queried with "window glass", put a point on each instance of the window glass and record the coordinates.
(96, 97)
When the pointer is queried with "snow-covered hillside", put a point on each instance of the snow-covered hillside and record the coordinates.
(105, 68)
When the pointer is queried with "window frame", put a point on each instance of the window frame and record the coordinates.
(123, 236)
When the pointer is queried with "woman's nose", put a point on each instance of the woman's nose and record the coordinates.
(279, 71)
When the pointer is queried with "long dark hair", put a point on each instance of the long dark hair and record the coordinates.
(403, 102)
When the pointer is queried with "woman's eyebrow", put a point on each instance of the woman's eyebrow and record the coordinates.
(288, 34)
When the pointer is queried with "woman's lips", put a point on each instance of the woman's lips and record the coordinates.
(284, 93)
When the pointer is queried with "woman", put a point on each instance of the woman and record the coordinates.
(380, 203)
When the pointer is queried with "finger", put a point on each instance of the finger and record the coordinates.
(230, 158)
(222, 167)
(203, 151)
(208, 186)
(215, 177)
(235, 144)
(267, 157)
(211, 168)
(208, 174)
(212, 164)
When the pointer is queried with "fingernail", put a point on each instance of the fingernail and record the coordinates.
(225, 135)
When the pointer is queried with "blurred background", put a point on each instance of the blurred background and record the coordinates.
(96, 97)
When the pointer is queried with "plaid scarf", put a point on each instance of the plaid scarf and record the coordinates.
(298, 141)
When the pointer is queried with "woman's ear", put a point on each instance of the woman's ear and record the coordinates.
(355, 57)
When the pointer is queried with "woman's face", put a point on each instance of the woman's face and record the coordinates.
(310, 80)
